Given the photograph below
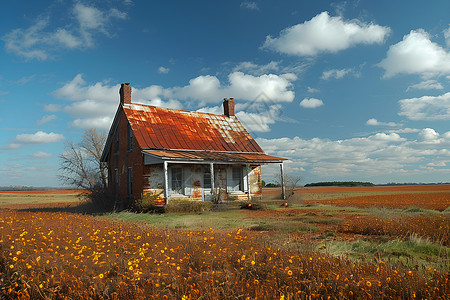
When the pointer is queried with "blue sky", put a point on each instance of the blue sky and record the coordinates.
(354, 90)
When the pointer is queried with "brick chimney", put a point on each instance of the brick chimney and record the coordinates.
(125, 93)
(228, 107)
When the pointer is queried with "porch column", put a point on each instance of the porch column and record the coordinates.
(247, 167)
(213, 189)
(283, 189)
(166, 182)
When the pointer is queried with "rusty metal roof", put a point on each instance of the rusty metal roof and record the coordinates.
(161, 128)
(213, 156)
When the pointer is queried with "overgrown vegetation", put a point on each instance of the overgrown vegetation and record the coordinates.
(86, 257)
(343, 252)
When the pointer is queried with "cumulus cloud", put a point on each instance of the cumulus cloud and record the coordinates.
(95, 104)
(430, 84)
(338, 73)
(39, 137)
(447, 36)
(163, 70)
(428, 108)
(416, 54)
(325, 34)
(386, 156)
(312, 90)
(208, 89)
(250, 5)
(311, 103)
(255, 116)
(375, 122)
(84, 24)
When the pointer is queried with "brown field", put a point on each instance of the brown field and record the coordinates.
(49, 192)
(277, 253)
(39, 199)
(437, 201)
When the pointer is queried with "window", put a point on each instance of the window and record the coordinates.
(177, 180)
(207, 179)
(130, 182)
(236, 179)
(130, 137)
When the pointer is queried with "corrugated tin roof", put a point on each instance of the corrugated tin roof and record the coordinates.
(161, 128)
(213, 156)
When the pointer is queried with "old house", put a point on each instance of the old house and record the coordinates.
(176, 154)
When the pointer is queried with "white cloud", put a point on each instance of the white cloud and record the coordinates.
(447, 36)
(37, 42)
(336, 73)
(325, 34)
(255, 116)
(52, 107)
(208, 89)
(46, 119)
(430, 84)
(163, 70)
(312, 90)
(39, 137)
(429, 135)
(94, 105)
(254, 69)
(384, 155)
(11, 147)
(428, 108)
(404, 130)
(375, 122)
(41, 155)
(416, 54)
(311, 103)
(250, 5)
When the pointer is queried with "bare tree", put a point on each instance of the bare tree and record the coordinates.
(290, 183)
(80, 163)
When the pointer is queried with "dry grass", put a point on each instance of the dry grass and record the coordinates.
(54, 255)
(289, 253)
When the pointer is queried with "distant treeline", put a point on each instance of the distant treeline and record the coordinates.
(31, 188)
(340, 183)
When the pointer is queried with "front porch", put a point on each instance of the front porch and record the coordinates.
(175, 176)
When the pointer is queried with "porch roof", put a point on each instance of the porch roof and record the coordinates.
(213, 156)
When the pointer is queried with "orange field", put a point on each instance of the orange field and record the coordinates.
(397, 188)
(58, 255)
(55, 255)
(437, 201)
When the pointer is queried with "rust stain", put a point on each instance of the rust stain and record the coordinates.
(160, 128)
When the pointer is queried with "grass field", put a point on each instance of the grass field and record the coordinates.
(350, 245)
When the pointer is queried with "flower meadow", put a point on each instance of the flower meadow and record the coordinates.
(434, 228)
(68, 256)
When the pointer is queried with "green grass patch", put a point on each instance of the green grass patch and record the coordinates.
(413, 253)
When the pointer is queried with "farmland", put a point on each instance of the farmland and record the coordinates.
(319, 246)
